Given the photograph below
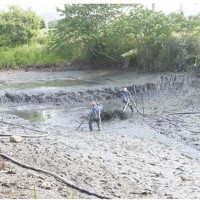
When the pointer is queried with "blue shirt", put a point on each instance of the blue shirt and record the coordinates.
(95, 112)
(126, 95)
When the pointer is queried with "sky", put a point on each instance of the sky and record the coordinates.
(45, 7)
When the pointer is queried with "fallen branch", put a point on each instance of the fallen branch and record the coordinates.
(141, 193)
(68, 183)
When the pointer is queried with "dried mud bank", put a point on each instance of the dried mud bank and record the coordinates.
(156, 156)
(106, 90)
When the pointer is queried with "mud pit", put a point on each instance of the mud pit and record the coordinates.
(151, 156)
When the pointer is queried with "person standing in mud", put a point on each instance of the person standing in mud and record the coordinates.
(126, 98)
(95, 116)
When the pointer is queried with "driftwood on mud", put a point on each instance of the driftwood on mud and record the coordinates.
(68, 183)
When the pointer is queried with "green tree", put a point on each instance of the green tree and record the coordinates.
(18, 26)
(184, 25)
(106, 33)
(148, 30)
(181, 51)
(85, 29)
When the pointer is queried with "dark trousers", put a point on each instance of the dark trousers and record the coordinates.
(94, 120)
(127, 104)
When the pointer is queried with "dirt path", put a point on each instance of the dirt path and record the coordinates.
(141, 157)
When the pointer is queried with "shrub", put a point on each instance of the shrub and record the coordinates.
(180, 53)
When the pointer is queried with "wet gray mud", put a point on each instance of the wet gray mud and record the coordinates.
(134, 156)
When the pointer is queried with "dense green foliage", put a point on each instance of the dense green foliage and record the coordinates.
(18, 26)
(85, 30)
(148, 30)
(104, 33)
(23, 40)
(101, 35)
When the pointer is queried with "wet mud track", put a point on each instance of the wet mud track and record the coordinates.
(156, 156)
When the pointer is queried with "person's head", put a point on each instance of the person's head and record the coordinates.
(93, 103)
(125, 89)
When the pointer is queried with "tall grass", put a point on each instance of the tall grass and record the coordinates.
(28, 55)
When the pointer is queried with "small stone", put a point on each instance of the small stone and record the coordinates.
(16, 139)
(188, 178)
(45, 185)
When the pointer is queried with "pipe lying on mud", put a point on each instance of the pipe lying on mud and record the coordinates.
(23, 127)
(184, 113)
(68, 183)
(26, 136)
(137, 108)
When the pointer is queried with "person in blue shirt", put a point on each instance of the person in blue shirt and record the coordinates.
(126, 98)
(95, 116)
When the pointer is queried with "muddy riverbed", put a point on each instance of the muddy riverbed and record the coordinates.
(152, 156)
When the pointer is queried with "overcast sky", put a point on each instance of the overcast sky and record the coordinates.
(43, 6)
(40, 6)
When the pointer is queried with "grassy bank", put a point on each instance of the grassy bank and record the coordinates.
(28, 55)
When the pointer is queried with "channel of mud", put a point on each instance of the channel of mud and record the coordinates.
(151, 156)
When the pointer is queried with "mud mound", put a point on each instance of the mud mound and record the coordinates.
(110, 115)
